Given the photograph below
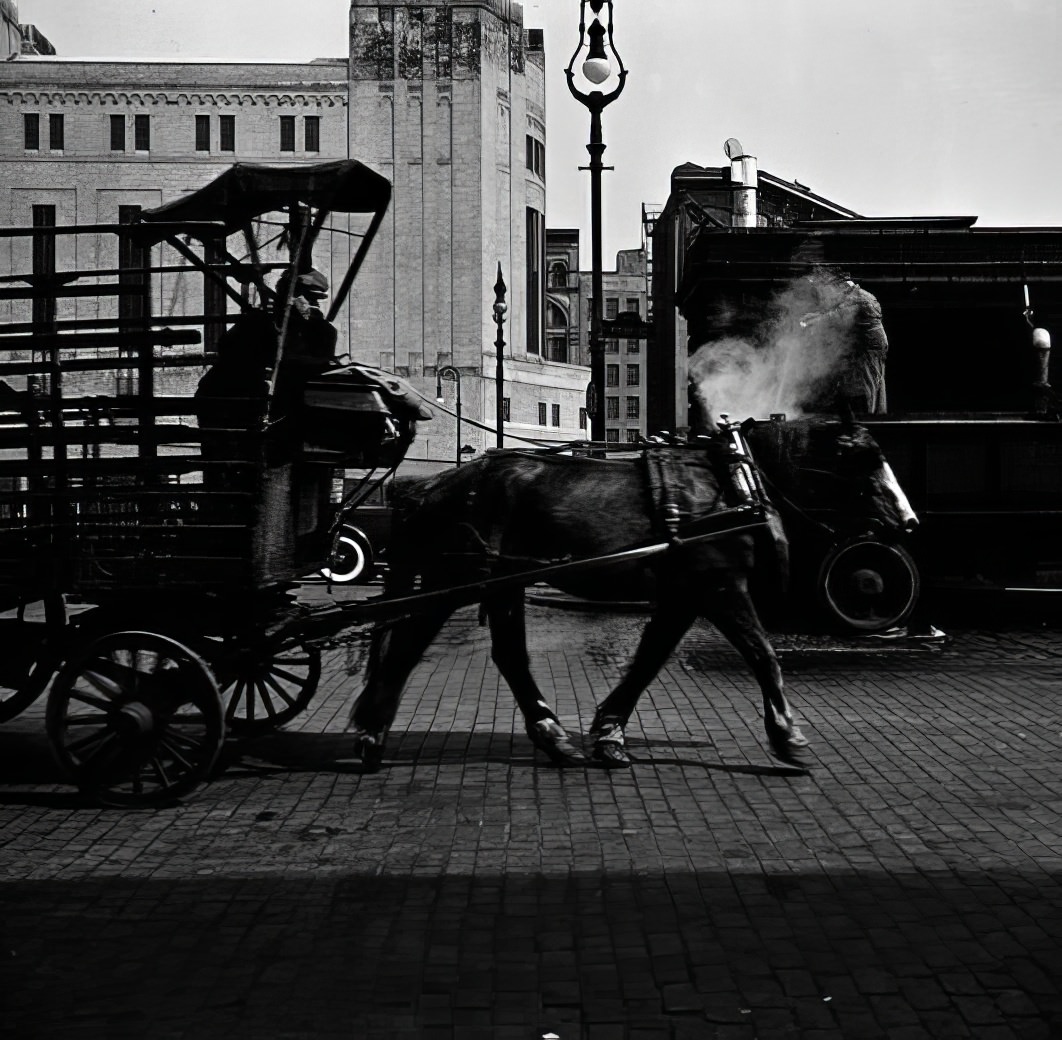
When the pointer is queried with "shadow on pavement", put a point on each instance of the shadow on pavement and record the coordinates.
(319, 752)
(730, 954)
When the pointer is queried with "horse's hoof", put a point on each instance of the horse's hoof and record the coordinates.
(368, 747)
(788, 746)
(611, 755)
(551, 738)
(609, 749)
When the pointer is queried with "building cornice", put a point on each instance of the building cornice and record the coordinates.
(61, 96)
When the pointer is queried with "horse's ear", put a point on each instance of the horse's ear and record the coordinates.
(749, 424)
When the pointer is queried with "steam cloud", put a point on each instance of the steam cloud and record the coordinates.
(781, 366)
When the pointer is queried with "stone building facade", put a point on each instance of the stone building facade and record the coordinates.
(625, 293)
(448, 102)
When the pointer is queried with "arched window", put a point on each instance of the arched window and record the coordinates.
(558, 275)
(556, 333)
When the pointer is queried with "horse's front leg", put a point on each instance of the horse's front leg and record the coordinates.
(669, 623)
(733, 613)
(395, 649)
(508, 633)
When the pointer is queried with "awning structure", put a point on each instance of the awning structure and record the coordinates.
(248, 190)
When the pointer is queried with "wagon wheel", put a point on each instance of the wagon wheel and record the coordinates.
(267, 682)
(869, 586)
(27, 665)
(135, 718)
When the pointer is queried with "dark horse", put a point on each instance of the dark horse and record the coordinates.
(513, 511)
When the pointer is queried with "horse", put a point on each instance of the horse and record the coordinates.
(511, 511)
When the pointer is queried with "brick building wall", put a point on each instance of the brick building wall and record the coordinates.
(624, 289)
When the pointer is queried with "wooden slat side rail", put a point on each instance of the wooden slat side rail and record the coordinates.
(120, 339)
(117, 322)
(98, 364)
(71, 291)
(196, 228)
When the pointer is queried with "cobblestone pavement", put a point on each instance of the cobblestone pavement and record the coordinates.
(906, 885)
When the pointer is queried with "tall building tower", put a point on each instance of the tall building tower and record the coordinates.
(447, 100)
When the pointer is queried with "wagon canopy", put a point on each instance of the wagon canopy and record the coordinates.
(249, 190)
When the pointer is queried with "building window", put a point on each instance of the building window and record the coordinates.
(612, 435)
(611, 375)
(228, 133)
(43, 307)
(506, 409)
(56, 132)
(117, 133)
(536, 157)
(133, 303)
(582, 419)
(633, 436)
(558, 275)
(633, 305)
(634, 375)
(611, 346)
(536, 279)
(541, 413)
(202, 133)
(611, 407)
(633, 346)
(554, 415)
(611, 307)
(142, 133)
(31, 131)
(634, 408)
(557, 348)
(313, 133)
(287, 133)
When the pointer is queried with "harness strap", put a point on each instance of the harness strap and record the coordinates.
(661, 483)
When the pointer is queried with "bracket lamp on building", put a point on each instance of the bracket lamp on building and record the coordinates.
(596, 68)
(450, 372)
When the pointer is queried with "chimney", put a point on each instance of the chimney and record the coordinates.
(743, 183)
(1042, 396)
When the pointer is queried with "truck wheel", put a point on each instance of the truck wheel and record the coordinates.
(351, 561)
(868, 586)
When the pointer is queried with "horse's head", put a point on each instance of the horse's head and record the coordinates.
(826, 465)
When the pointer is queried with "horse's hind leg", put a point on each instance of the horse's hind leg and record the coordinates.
(735, 616)
(508, 634)
(395, 649)
(668, 625)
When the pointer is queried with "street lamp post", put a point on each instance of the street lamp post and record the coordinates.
(499, 370)
(596, 69)
(449, 372)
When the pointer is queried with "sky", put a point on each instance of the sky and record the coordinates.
(887, 107)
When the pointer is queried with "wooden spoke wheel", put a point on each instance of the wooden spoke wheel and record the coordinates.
(135, 718)
(266, 683)
(27, 664)
(869, 586)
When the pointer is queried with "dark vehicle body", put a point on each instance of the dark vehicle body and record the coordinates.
(988, 492)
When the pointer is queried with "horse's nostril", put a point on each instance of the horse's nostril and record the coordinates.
(911, 524)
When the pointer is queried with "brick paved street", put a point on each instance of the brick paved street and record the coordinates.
(908, 885)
